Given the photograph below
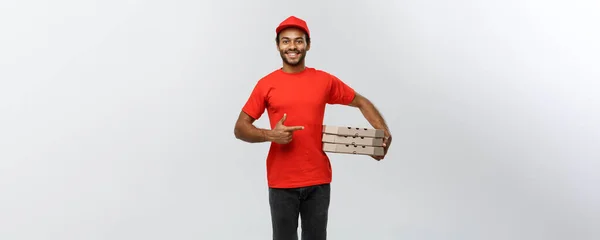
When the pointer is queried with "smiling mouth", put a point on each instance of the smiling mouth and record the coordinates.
(292, 54)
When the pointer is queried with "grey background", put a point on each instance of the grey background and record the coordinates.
(117, 118)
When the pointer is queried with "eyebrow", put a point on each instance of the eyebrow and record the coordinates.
(294, 38)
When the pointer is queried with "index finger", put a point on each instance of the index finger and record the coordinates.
(293, 128)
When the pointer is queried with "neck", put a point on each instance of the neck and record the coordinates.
(293, 69)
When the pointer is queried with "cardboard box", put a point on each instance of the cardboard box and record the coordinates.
(352, 149)
(352, 140)
(353, 131)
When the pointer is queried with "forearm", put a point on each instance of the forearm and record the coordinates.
(247, 132)
(373, 116)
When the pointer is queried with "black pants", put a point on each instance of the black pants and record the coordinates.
(311, 204)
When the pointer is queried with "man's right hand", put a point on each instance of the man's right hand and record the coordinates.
(282, 134)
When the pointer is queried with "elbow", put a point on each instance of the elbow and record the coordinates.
(242, 127)
(239, 131)
(236, 132)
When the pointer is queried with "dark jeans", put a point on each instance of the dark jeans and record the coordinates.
(310, 203)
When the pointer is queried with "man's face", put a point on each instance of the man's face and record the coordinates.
(292, 46)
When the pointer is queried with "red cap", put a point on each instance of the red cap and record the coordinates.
(293, 21)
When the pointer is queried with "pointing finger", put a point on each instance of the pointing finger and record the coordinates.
(294, 128)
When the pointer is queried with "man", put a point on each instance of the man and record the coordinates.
(298, 170)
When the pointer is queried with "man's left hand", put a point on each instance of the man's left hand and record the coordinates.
(387, 141)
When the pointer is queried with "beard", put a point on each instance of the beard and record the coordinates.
(293, 61)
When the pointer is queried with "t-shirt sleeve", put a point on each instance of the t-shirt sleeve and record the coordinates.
(339, 92)
(255, 105)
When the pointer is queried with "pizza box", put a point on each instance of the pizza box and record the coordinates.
(353, 131)
(352, 140)
(352, 149)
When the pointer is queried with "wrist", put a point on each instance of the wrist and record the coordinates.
(386, 130)
(266, 135)
(387, 134)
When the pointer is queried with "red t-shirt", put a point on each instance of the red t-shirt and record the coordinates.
(303, 97)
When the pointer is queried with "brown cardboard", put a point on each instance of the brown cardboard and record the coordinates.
(352, 140)
(351, 149)
(353, 131)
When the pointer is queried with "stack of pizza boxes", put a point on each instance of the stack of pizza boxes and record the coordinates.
(353, 140)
